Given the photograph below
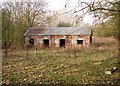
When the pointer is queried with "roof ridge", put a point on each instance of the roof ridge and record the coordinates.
(58, 31)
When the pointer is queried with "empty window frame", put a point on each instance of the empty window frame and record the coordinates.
(80, 42)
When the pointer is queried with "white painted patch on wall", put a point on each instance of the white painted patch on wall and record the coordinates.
(40, 41)
(62, 38)
(27, 40)
(56, 41)
(72, 41)
(79, 38)
(46, 38)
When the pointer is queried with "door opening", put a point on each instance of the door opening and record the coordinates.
(62, 42)
(31, 42)
(46, 42)
(80, 42)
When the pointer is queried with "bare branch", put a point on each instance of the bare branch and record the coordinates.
(105, 9)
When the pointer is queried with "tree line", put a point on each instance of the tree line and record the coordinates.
(17, 17)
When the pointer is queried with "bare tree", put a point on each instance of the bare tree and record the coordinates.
(17, 17)
(97, 8)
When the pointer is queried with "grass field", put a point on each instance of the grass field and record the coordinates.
(66, 66)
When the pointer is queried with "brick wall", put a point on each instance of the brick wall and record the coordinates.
(54, 41)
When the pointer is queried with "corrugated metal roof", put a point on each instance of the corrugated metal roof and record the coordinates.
(59, 31)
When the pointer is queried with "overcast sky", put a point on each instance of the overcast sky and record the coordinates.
(56, 4)
(59, 5)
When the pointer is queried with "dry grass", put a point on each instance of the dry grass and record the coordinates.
(65, 66)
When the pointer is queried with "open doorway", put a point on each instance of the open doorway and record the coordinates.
(62, 42)
(80, 42)
(46, 42)
(31, 42)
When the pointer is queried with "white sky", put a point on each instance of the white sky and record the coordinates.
(59, 4)
(56, 5)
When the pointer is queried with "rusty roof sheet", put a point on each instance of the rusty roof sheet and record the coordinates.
(58, 31)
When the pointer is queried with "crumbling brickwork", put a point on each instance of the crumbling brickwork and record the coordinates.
(59, 37)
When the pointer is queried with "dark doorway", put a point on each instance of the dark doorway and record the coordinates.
(90, 39)
(31, 42)
(62, 42)
(80, 42)
(46, 42)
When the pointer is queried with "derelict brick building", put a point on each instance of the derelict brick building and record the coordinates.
(58, 37)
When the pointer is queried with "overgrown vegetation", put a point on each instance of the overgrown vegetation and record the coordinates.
(17, 17)
(64, 66)
(53, 66)
(107, 29)
(64, 24)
